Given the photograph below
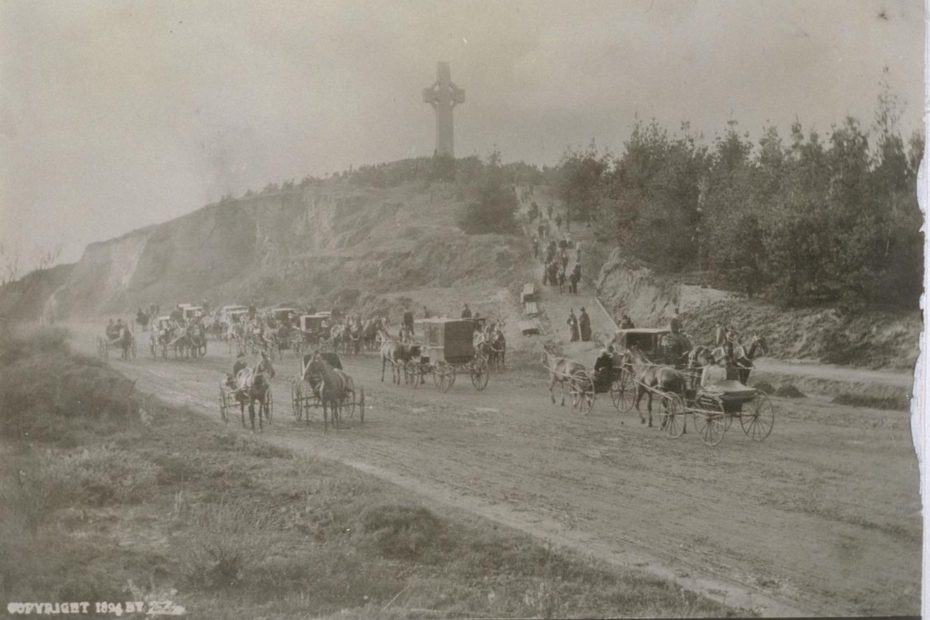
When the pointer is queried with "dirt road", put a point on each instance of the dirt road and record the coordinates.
(821, 518)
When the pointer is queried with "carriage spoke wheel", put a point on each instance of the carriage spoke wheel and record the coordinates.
(479, 372)
(297, 400)
(759, 421)
(224, 406)
(582, 391)
(348, 406)
(710, 423)
(623, 391)
(673, 416)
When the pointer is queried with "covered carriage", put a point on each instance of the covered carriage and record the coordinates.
(448, 348)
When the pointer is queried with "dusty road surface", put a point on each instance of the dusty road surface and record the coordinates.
(823, 517)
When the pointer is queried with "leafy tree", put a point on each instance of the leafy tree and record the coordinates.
(493, 206)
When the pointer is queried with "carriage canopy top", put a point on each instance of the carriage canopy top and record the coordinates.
(448, 340)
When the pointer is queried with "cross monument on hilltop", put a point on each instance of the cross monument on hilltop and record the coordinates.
(443, 95)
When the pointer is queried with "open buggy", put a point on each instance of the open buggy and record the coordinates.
(712, 408)
(305, 391)
(448, 349)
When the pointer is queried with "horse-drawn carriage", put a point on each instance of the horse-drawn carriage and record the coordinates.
(683, 391)
(449, 348)
(119, 337)
(186, 338)
(319, 372)
(249, 386)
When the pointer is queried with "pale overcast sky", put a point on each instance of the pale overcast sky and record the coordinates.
(118, 114)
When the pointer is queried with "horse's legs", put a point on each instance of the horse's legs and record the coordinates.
(551, 385)
(242, 411)
(383, 362)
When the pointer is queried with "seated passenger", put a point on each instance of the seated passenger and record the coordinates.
(714, 367)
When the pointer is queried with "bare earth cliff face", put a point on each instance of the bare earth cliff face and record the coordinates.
(304, 245)
(877, 339)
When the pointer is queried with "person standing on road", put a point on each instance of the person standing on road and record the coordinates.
(584, 325)
(573, 325)
(535, 246)
(466, 312)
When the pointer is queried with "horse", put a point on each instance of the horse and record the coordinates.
(252, 386)
(742, 356)
(561, 370)
(371, 330)
(651, 377)
(397, 354)
(124, 341)
(333, 388)
(353, 338)
(197, 336)
(497, 349)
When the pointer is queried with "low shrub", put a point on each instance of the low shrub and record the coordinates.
(405, 532)
(895, 403)
(787, 390)
(764, 386)
(224, 543)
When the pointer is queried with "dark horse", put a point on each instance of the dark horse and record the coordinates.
(252, 386)
(124, 341)
(651, 377)
(334, 387)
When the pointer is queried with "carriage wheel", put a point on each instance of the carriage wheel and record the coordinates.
(269, 404)
(582, 390)
(479, 372)
(623, 391)
(412, 369)
(224, 406)
(297, 400)
(348, 405)
(710, 422)
(673, 417)
(758, 423)
(445, 376)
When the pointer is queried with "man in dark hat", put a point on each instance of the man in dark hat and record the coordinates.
(675, 344)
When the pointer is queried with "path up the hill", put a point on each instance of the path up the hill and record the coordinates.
(555, 305)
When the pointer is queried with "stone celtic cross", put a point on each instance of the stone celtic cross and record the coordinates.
(443, 95)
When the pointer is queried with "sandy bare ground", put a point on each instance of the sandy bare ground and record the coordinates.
(821, 518)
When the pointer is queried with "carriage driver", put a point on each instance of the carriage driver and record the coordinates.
(603, 368)
(675, 345)
(238, 367)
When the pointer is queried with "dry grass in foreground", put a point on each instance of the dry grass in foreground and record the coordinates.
(111, 496)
